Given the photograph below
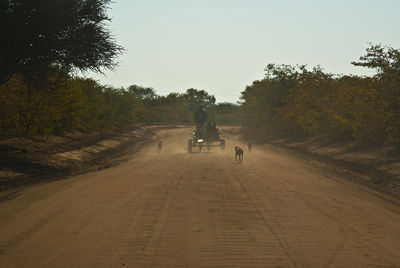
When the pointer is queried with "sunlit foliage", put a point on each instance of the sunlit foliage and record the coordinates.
(297, 101)
(63, 103)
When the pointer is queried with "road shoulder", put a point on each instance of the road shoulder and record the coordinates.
(375, 168)
(26, 161)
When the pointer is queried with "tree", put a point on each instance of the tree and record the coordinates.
(144, 93)
(263, 99)
(68, 34)
(385, 59)
(38, 109)
(226, 113)
(199, 97)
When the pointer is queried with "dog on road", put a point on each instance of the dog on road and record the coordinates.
(159, 146)
(250, 146)
(238, 155)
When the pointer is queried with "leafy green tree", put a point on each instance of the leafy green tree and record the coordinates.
(70, 34)
(197, 97)
(226, 113)
(262, 101)
(298, 101)
(44, 109)
(144, 93)
(386, 61)
(174, 108)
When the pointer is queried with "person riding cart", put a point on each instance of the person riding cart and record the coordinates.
(200, 117)
(205, 134)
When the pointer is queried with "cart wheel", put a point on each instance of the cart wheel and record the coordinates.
(222, 145)
(190, 146)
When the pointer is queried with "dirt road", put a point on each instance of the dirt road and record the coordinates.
(173, 209)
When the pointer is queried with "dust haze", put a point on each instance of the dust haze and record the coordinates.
(175, 209)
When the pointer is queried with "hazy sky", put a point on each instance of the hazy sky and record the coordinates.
(223, 45)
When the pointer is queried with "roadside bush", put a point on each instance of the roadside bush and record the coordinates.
(296, 101)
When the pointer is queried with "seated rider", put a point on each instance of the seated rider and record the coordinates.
(200, 117)
(212, 131)
(214, 125)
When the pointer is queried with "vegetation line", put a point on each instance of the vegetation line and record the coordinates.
(297, 101)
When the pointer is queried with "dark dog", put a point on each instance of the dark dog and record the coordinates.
(238, 155)
(250, 146)
(159, 146)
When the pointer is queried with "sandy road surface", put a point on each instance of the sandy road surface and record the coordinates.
(175, 209)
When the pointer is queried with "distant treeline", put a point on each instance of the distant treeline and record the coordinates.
(61, 103)
(299, 101)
